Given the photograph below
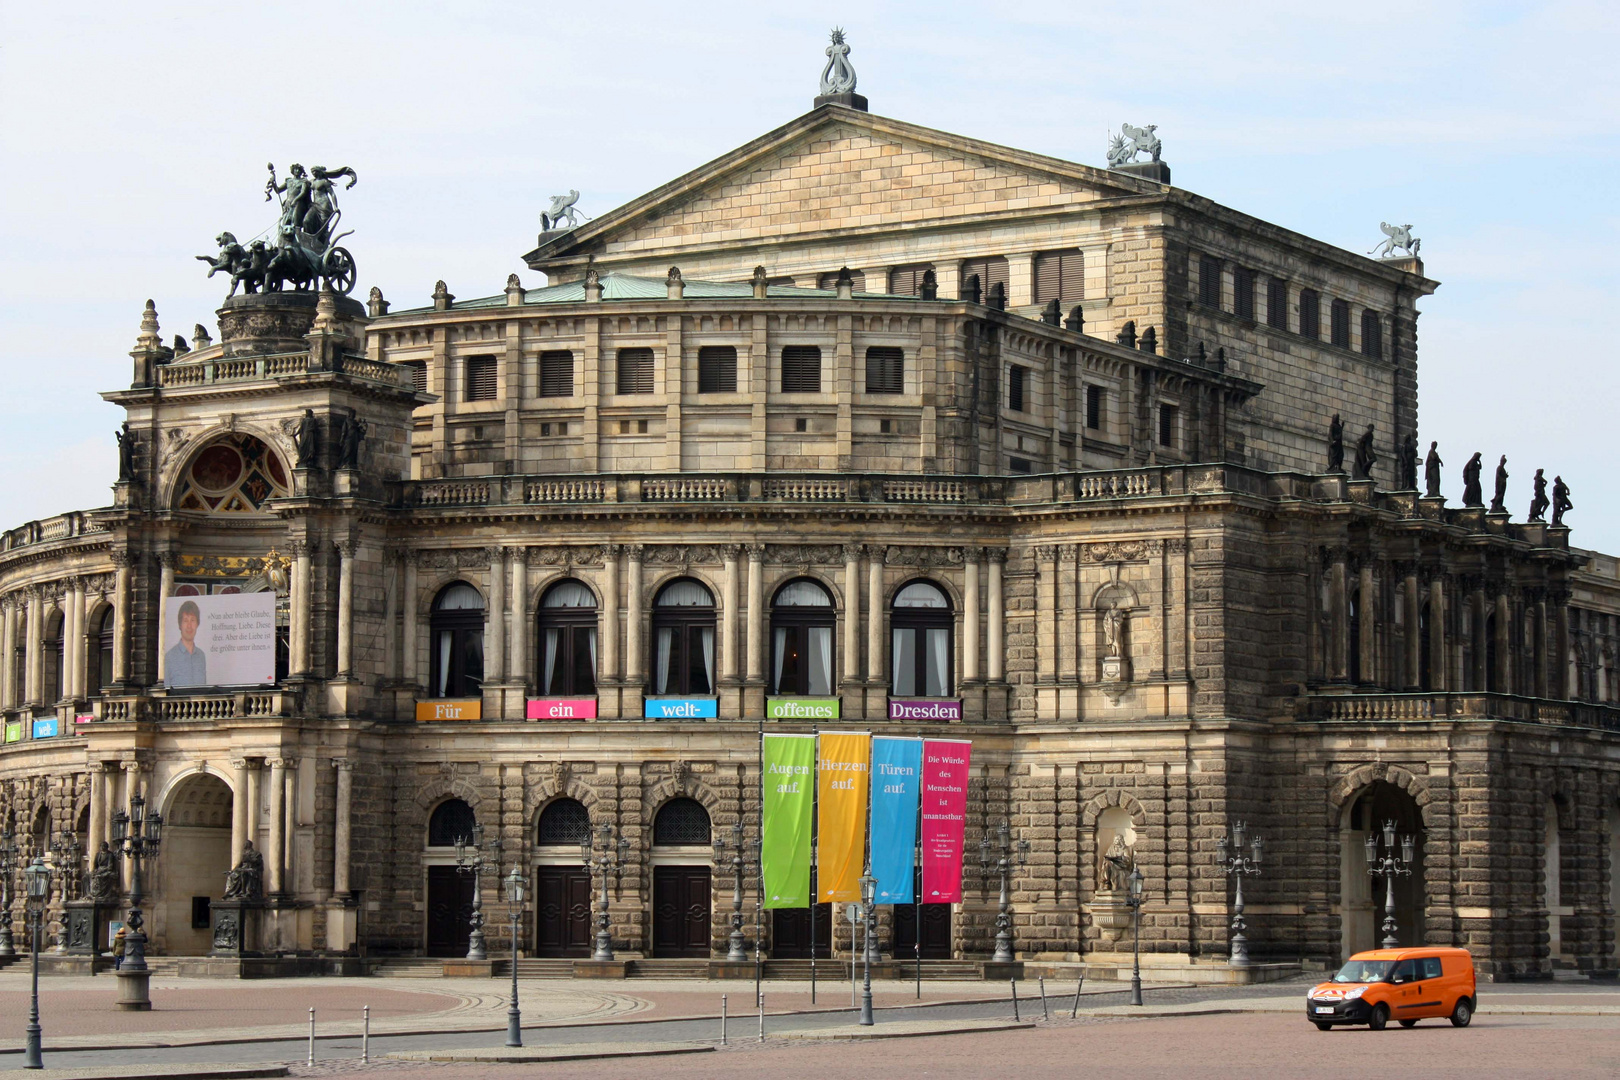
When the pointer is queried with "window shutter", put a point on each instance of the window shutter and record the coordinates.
(1277, 304)
(480, 378)
(858, 277)
(1060, 276)
(1209, 281)
(1310, 314)
(1167, 425)
(990, 271)
(885, 370)
(635, 371)
(907, 280)
(717, 369)
(557, 373)
(1372, 335)
(1094, 407)
(418, 376)
(1015, 387)
(1243, 293)
(1340, 323)
(801, 369)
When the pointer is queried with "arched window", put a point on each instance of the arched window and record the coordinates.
(452, 820)
(683, 639)
(564, 822)
(234, 474)
(921, 660)
(1490, 653)
(802, 640)
(1355, 635)
(567, 640)
(681, 822)
(458, 643)
(101, 671)
(54, 666)
(1425, 628)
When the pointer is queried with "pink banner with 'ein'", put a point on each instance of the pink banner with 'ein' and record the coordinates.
(944, 818)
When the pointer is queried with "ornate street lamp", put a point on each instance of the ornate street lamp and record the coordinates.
(1389, 866)
(1001, 854)
(136, 835)
(868, 915)
(1236, 863)
(604, 855)
(472, 857)
(37, 877)
(1134, 898)
(515, 887)
(8, 870)
(735, 853)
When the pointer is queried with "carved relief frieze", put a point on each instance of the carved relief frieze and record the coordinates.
(923, 556)
(681, 554)
(566, 555)
(1117, 551)
(805, 554)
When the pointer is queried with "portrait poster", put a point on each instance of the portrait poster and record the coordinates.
(223, 640)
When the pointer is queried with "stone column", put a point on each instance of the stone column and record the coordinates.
(1414, 631)
(876, 665)
(121, 605)
(255, 801)
(1504, 654)
(518, 669)
(1368, 643)
(852, 611)
(1046, 642)
(495, 654)
(1338, 619)
(610, 611)
(1540, 654)
(275, 858)
(1477, 607)
(132, 787)
(731, 625)
(341, 827)
(301, 591)
(81, 641)
(1437, 634)
(970, 614)
(407, 636)
(634, 653)
(345, 626)
(8, 652)
(166, 561)
(390, 614)
(239, 809)
(98, 809)
(35, 655)
(756, 612)
(995, 640)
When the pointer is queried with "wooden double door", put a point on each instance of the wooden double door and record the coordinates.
(449, 911)
(562, 911)
(791, 933)
(681, 900)
(931, 921)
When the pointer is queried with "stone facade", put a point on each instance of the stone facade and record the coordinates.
(1162, 617)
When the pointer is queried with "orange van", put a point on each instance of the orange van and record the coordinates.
(1405, 985)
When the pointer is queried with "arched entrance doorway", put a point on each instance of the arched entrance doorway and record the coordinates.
(1361, 896)
(681, 890)
(562, 885)
(449, 889)
(196, 858)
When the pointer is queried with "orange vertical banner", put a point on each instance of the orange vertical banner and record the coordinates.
(842, 781)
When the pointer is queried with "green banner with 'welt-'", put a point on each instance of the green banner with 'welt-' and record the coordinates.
(789, 790)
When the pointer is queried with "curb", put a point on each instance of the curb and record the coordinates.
(161, 1072)
(566, 1052)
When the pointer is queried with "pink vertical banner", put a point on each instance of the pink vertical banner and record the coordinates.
(944, 818)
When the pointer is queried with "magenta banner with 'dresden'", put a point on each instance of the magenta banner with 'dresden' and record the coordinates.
(944, 818)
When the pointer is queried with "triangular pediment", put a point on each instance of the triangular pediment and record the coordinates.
(838, 169)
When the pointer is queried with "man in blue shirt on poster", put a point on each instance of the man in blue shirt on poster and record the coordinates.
(186, 664)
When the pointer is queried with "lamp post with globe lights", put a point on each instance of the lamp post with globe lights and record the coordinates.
(1389, 866)
(136, 836)
(1237, 863)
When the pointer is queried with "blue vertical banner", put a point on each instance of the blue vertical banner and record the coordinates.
(896, 773)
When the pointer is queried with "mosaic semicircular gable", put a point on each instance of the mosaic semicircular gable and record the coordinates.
(234, 474)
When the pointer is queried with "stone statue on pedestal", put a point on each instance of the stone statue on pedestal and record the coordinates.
(103, 882)
(1409, 462)
(1117, 863)
(1431, 471)
(1560, 500)
(1473, 494)
(1538, 498)
(245, 881)
(1336, 445)
(1365, 457)
(1498, 499)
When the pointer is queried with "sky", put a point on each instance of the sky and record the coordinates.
(132, 134)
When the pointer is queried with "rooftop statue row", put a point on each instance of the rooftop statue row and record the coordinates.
(303, 252)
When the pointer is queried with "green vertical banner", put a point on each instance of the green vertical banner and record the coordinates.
(789, 792)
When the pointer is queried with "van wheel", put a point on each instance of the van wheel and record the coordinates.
(1408, 1023)
(1379, 1017)
(1463, 1013)
(1322, 1025)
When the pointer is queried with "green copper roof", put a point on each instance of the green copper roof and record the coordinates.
(627, 287)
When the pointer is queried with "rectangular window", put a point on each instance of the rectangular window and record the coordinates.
(1277, 304)
(830, 280)
(1310, 314)
(1339, 323)
(908, 280)
(557, 373)
(1060, 276)
(1243, 293)
(885, 370)
(1094, 408)
(1016, 377)
(1372, 335)
(635, 371)
(480, 378)
(1209, 281)
(1019, 465)
(1167, 425)
(717, 369)
(418, 376)
(990, 271)
(202, 912)
(801, 369)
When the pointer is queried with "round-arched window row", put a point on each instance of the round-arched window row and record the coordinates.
(921, 661)
(457, 642)
(683, 639)
(567, 641)
(802, 639)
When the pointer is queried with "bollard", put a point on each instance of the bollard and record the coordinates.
(762, 1017)
(365, 1036)
(311, 1036)
(722, 1019)
(1014, 984)
(1042, 982)
(1078, 983)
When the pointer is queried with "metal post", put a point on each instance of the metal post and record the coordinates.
(1014, 984)
(32, 1058)
(514, 1018)
(1044, 1014)
(1236, 862)
(761, 1017)
(1136, 952)
(868, 915)
(1390, 939)
(365, 1035)
(1074, 1010)
(1389, 866)
(1240, 942)
(311, 1037)
(722, 1019)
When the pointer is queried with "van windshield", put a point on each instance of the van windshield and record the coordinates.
(1364, 971)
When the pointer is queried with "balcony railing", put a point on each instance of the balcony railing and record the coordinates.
(244, 705)
(61, 527)
(1460, 705)
(236, 369)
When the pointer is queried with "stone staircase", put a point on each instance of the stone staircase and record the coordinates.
(409, 967)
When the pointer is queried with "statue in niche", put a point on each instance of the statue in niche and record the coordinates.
(1117, 863)
(245, 880)
(1113, 624)
(1473, 494)
(1409, 462)
(351, 430)
(1538, 499)
(1431, 471)
(1560, 500)
(1499, 497)
(126, 453)
(103, 882)
(1365, 457)
(1335, 445)
(305, 436)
